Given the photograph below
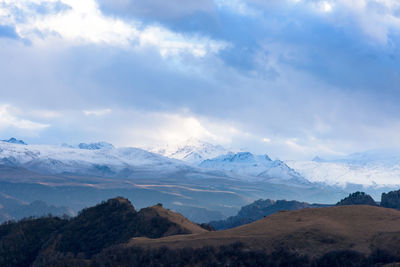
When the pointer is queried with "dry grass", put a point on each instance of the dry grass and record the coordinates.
(310, 231)
(179, 219)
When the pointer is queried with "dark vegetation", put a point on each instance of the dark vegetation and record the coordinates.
(107, 224)
(229, 255)
(21, 242)
(391, 200)
(357, 198)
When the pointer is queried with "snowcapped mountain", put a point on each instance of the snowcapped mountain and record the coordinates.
(96, 146)
(104, 160)
(192, 151)
(90, 159)
(90, 146)
(257, 167)
(370, 168)
(13, 140)
(82, 175)
(377, 157)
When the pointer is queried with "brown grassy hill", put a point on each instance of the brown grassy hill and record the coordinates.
(309, 231)
(185, 225)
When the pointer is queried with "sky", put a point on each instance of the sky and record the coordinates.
(290, 78)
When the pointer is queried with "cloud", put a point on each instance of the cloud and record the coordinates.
(293, 79)
(9, 119)
(237, 6)
(83, 22)
(378, 20)
(156, 8)
(97, 112)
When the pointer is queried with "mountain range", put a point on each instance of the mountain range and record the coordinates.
(256, 167)
(81, 175)
(202, 181)
(373, 168)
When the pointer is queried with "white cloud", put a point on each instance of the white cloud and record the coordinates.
(175, 128)
(377, 19)
(8, 119)
(83, 22)
(128, 127)
(170, 43)
(238, 6)
(97, 112)
(267, 140)
(326, 6)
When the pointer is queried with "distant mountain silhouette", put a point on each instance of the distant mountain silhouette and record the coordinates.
(15, 209)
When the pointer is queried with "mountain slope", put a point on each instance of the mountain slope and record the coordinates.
(311, 231)
(372, 168)
(92, 159)
(256, 167)
(192, 151)
(115, 221)
(259, 209)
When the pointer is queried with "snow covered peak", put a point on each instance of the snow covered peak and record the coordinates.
(238, 162)
(369, 168)
(96, 146)
(243, 157)
(255, 167)
(318, 159)
(192, 151)
(13, 140)
(95, 160)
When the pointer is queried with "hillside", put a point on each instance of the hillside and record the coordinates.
(114, 233)
(258, 210)
(313, 232)
(107, 224)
